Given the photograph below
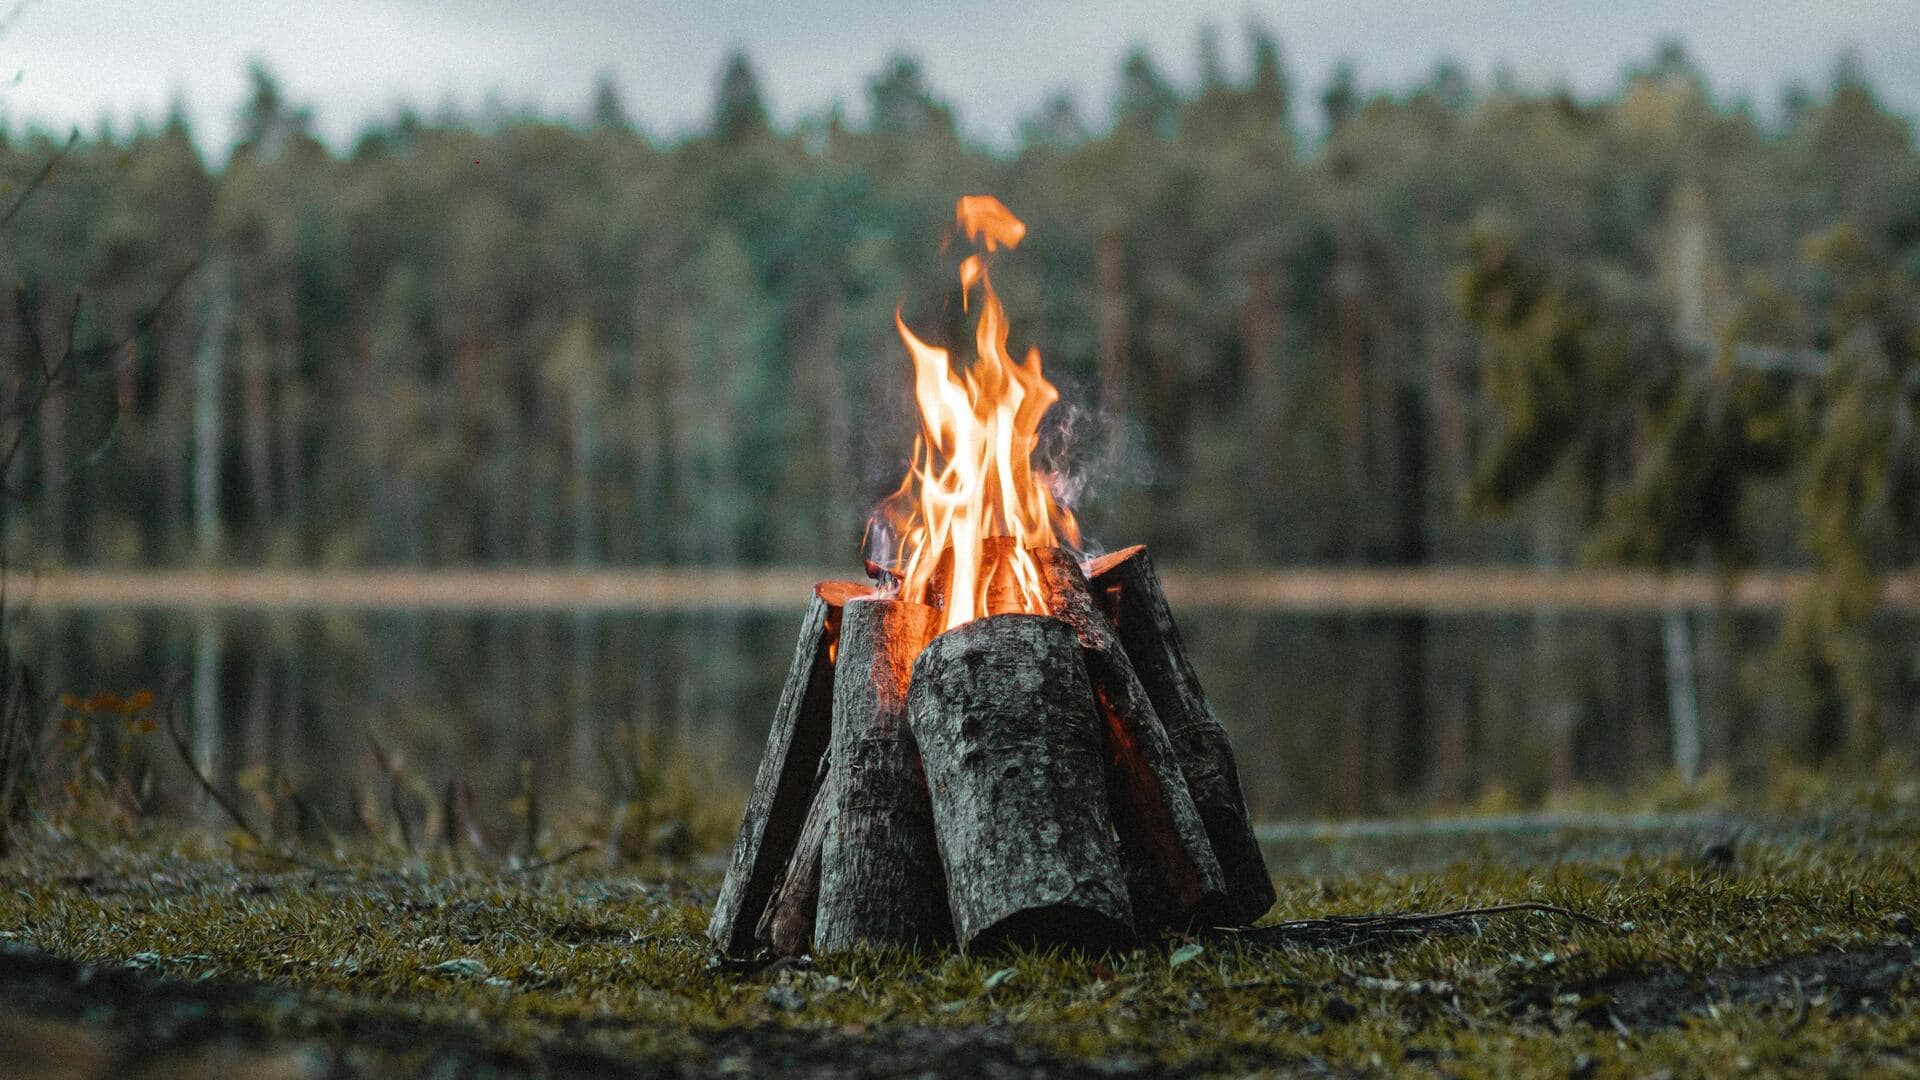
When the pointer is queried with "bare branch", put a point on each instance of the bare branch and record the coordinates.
(186, 756)
(547, 864)
(46, 170)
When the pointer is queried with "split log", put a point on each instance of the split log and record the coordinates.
(996, 562)
(1127, 588)
(1172, 873)
(784, 784)
(1004, 718)
(786, 926)
(880, 879)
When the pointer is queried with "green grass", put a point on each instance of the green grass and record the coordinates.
(614, 960)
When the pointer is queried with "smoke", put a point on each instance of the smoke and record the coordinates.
(1091, 456)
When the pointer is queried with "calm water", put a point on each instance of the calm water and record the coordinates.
(1329, 714)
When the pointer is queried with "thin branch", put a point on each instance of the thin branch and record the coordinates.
(186, 756)
(1360, 927)
(143, 323)
(40, 177)
(571, 853)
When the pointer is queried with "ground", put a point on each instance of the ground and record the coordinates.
(1757, 939)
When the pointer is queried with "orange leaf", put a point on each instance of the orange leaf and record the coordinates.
(138, 701)
(104, 701)
(72, 703)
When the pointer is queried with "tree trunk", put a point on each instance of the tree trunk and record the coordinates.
(1683, 695)
(880, 881)
(783, 787)
(1003, 714)
(1129, 589)
(1263, 330)
(1173, 876)
(208, 384)
(1110, 277)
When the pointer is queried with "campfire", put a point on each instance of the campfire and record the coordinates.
(992, 742)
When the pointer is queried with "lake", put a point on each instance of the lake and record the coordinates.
(1332, 714)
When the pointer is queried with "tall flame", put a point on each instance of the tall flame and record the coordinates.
(972, 504)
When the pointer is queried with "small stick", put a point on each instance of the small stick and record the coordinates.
(546, 864)
(206, 784)
(1389, 923)
(1419, 918)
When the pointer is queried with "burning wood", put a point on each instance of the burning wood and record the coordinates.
(1137, 607)
(994, 749)
(1171, 868)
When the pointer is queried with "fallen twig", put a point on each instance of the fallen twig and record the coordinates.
(546, 864)
(1354, 928)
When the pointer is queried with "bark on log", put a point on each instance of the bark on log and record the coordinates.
(1128, 590)
(1172, 874)
(881, 882)
(1004, 718)
(783, 787)
(786, 926)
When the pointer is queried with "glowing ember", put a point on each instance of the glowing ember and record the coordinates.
(972, 495)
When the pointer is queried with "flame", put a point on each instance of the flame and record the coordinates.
(972, 504)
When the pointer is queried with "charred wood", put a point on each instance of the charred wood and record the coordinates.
(1128, 590)
(1172, 873)
(786, 926)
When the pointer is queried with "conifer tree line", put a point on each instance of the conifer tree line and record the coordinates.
(1462, 322)
(1334, 327)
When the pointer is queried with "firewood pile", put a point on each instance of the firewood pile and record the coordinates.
(1050, 778)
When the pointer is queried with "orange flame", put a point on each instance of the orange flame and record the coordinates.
(972, 479)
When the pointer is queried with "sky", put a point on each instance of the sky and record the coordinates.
(68, 62)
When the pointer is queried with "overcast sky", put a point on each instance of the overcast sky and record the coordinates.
(73, 61)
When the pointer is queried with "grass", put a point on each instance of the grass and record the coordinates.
(538, 968)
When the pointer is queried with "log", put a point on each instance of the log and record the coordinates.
(1172, 874)
(1003, 585)
(1128, 590)
(786, 926)
(784, 784)
(1004, 718)
(880, 877)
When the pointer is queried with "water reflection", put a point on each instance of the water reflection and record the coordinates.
(1330, 714)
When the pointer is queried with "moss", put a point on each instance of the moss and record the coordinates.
(614, 963)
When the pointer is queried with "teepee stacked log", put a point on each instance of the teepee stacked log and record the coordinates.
(787, 779)
(881, 880)
(1173, 875)
(1129, 591)
(1045, 779)
(1005, 720)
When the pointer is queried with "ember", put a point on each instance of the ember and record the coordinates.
(997, 744)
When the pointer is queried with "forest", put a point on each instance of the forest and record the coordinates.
(1458, 323)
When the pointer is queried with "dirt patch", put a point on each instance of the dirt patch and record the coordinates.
(1840, 983)
(60, 1018)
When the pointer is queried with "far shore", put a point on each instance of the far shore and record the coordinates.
(1433, 590)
